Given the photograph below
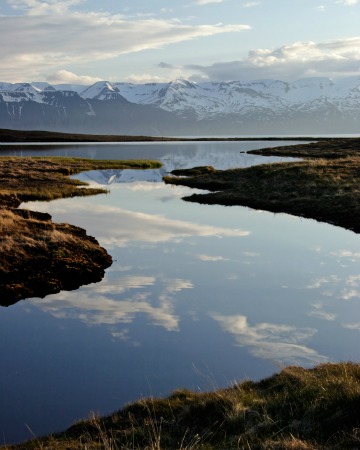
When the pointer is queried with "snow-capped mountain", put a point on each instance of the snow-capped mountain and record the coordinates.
(208, 100)
(312, 105)
(102, 90)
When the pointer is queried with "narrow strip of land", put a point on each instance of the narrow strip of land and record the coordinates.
(39, 257)
(51, 136)
(325, 185)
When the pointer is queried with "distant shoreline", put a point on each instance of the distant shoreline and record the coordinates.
(37, 136)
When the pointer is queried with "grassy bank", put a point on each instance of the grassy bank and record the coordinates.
(324, 186)
(37, 256)
(296, 409)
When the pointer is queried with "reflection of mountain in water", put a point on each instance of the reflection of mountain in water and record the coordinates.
(111, 176)
(171, 161)
(211, 156)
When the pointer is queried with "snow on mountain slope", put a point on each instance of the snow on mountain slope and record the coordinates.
(210, 99)
(78, 88)
(42, 86)
(204, 100)
(188, 107)
(102, 90)
(19, 92)
(5, 86)
(140, 93)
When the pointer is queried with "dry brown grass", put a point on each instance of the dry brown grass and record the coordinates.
(23, 179)
(38, 257)
(325, 189)
(296, 409)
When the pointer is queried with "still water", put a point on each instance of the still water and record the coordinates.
(198, 296)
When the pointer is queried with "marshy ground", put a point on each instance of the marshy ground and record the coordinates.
(39, 257)
(325, 185)
(295, 409)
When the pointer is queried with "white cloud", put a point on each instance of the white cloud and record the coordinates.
(47, 35)
(276, 342)
(353, 280)
(289, 62)
(148, 78)
(39, 7)
(332, 280)
(330, 286)
(351, 255)
(320, 313)
(251, 254)
(66, 77)
(203, 257)
(251, 4)
(205, 2)
(352, 326)
(349, 294)
(348, 2)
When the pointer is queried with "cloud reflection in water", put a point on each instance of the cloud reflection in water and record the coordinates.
(347, 288)
(283, 344)
(100, 304)
(114, 226)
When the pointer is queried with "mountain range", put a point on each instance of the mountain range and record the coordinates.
(181, 107)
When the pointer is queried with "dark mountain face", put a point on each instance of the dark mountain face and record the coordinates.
(66, 111)
(313, 106)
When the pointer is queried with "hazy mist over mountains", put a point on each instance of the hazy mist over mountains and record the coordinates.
(181, 107)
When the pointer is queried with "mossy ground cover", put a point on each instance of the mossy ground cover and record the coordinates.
(324, 186)
(37, 256)
(295, 409)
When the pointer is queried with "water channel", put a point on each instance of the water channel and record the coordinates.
(198, 296)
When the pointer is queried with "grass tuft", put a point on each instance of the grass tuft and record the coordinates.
(295, 409)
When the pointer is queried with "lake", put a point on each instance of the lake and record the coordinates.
(198, 296)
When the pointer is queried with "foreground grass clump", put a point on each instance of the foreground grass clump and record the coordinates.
(37, 256)
(295, 409)
(325, 186)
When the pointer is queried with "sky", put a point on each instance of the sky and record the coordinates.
(144, 41)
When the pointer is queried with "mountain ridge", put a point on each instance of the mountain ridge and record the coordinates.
(183, 107)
